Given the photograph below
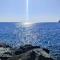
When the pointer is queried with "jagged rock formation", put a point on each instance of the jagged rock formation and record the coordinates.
(5, 51)
(29, 52)
(25, 48)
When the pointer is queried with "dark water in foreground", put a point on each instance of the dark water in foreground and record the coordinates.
(41, 34)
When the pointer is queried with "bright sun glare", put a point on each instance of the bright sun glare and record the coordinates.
(27, 24)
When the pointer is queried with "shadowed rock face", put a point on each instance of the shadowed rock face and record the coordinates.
(43, 58)
(29, 52)
(25, 48)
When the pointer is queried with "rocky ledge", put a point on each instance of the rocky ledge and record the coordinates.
(29, 52)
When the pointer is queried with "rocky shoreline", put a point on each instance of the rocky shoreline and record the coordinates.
(27, 52)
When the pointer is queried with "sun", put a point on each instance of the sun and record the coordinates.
(27, 24)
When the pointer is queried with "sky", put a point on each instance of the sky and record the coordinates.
(38, 10)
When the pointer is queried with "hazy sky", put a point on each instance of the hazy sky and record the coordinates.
(39, 10)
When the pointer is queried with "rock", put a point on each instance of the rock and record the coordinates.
(32, 53)
(5, 45)
(44, 58)
(5, 50)
(25, 48)
(59, 21)
(5, 53)
(46, 50)
(8, 53)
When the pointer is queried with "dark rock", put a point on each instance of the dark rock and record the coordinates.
(5, 45)
(29, 52)
(44, 58)
(3, 58)
(8, 53)
(32, 56)
(25, 48)
(46, 50)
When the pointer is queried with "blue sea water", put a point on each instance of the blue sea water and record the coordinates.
(46, 35)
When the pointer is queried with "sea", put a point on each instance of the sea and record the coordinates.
(46, 35)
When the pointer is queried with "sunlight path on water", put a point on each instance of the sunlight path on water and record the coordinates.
(26, 24)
